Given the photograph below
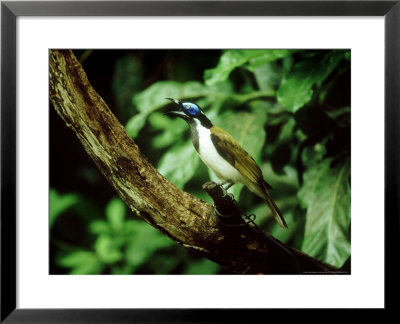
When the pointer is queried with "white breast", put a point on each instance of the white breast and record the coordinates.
(213, 160)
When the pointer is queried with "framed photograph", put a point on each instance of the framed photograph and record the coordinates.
(162, 158)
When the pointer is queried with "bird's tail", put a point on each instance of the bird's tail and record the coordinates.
(271, 204)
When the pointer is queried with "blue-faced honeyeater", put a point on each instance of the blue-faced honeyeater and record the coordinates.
(224, 155)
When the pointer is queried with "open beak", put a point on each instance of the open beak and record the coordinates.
(174, 100)
(176, 114)
(180, 114)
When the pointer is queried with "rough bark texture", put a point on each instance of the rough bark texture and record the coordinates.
(184, 218)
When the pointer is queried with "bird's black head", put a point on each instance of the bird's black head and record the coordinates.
(190, 112)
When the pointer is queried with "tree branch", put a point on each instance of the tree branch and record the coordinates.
(183, 217)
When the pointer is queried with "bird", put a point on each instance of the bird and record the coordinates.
(224, 156)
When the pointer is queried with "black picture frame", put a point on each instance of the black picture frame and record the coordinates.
(10, 10)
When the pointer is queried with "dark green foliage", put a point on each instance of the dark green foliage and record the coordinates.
(306, 76)
(123, 245)
(59, 204)
(290, 109)
(326, 195)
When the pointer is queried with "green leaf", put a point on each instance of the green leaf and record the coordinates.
(108, 249)
(81, 263)
(312, 154)
(179, 164)
(121, 270)
(115, 213)
(267, 56)
(232, 59)
(296, 88)
(99, 227)
(326, 195)
(202, 267)
(59, 204)
(153, 98)
(286, 183)
(143, 242)
(267, 77)
(171, 129)
(135, 124)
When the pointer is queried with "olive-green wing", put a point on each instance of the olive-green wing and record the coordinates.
(231, 151)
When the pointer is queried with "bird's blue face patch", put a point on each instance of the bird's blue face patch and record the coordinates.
(191, 109)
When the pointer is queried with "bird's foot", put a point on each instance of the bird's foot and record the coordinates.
(226, 193)
(228, 183)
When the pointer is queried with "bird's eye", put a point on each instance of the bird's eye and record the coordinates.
(191, 108)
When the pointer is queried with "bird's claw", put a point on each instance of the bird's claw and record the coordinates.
(228, 183)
